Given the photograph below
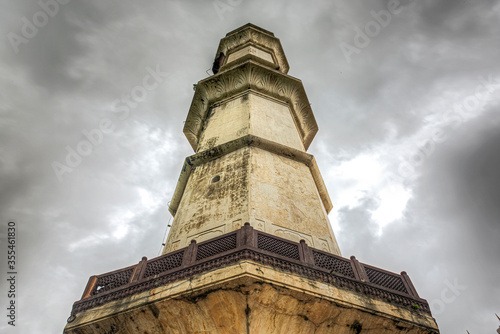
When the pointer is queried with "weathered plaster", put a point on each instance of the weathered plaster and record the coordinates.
(272, 186)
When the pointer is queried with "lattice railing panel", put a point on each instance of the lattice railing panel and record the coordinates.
(163, 264)
(225, 250)
(334, 264)
(216, 247)
(111, 281)
(386, 280)
(278, 246)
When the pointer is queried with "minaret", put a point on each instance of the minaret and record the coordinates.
(250, 249)
(250, 125)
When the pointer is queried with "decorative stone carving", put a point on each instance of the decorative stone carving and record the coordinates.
(250, 75)
(258, 37)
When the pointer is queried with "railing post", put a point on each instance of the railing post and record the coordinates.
(359, 271)
(89, 287)
(139, 270)
(409, 285)
(247, 236)
(190, 253)
(305, 253)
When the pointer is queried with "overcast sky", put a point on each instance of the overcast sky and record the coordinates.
(409, 118)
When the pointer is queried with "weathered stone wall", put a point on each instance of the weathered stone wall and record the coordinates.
(210, 208)
(276, 194)
(250, 113)
(227, 121)
(271, 119)
(284, 201)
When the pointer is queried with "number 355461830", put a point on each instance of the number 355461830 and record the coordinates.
(11, 237)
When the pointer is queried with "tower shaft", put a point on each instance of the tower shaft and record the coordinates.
(250, 126)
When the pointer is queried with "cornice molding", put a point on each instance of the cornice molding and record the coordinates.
(201, 158)
(250, 76)
(258, 37)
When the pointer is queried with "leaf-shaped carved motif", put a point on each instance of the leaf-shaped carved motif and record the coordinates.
(233, 41)
(264, 81)
(241, 78)
(252, 75)
(287, 89)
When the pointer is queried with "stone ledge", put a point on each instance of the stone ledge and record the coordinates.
(248, 297)
(254, 141)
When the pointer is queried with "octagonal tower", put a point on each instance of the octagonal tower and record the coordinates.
(250, 125)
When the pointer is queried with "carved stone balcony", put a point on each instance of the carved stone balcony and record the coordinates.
(258, 247)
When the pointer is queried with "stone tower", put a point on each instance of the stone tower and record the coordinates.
(250, 249)
(250, 126)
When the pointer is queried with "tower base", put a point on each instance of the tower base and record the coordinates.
(246, 290)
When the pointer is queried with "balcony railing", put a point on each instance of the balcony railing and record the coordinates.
(249, 244)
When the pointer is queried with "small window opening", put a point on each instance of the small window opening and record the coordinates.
(216, 179)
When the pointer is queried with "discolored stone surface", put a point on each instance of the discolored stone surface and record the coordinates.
(254, 308)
